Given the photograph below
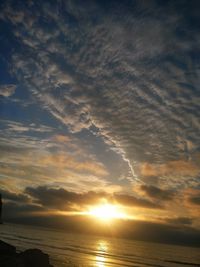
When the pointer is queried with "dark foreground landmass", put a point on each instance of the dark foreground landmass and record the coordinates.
(28, 258)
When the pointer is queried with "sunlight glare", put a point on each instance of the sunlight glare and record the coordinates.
(106, 212)
(100, 261)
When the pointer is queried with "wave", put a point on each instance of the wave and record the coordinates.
(20, 236)
(183, 263)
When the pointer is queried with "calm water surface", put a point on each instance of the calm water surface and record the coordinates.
(78, 250)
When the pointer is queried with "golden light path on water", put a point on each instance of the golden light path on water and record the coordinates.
(102, 248)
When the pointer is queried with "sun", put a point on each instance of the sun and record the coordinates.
(106, 212)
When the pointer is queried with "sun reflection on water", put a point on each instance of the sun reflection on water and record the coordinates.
(102, 248)
(100, 261)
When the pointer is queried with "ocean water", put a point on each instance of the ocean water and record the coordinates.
(77, 250)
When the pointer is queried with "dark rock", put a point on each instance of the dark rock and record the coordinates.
(1, 204)
(34, 258)
(28, 258)
(6, 249)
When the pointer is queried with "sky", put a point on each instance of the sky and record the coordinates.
(100, 101)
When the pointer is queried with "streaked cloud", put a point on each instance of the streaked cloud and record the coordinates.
(61, 138)
(13, 126)
(180, 168)
(63, 160)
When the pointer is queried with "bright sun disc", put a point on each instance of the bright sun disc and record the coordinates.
(106, 212)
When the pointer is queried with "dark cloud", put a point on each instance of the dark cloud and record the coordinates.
(195, 200)
(157, 193)
(7, 195)
(179, 221)
(128, 200)
(62, 199)
(12, 210)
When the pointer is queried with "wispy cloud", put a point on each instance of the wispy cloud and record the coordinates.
(128, 100)
(7, 90)
(14, 126)
(179, 167)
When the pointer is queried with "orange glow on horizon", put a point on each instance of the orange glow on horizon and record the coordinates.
(105, 212)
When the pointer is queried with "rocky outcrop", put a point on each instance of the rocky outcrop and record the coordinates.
(29, 258)
(1, 209)
(6, 249)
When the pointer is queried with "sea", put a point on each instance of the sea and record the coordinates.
(79, 250)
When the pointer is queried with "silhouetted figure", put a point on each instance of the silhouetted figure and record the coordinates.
(1, 210)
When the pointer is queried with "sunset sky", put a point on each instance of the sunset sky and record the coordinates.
(100, 105)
